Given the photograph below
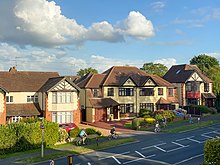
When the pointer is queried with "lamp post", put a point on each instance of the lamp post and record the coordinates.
(42, 144)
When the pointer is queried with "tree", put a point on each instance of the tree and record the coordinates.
(82, 72)
(204, 62)
(156, 69)
(214, 74)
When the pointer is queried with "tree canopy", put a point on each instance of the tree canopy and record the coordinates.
(214, 74)
(156, 69)
(204, 62)
(82, 72)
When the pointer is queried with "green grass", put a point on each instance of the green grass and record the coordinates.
(54, 153)
(191, 126)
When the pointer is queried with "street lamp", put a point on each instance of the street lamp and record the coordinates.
(42, 144)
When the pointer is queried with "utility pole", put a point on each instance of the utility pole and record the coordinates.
(42, 144)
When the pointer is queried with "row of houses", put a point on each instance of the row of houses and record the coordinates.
(118, 93)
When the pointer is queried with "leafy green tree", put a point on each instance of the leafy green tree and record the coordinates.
(82, 72)
(214, 74)
(204, 62)
(156, 69)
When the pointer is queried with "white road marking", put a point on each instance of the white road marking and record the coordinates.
(183, 161)
(153, 146)
(194, 140)
(114, 155)
(139, 159)
(140, 154)
(216, 132)
(160, 149)
(116, 160)
(178, 144)
(210, 137)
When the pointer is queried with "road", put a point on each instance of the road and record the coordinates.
(184, 148)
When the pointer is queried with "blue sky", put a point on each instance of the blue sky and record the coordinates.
(65, 36)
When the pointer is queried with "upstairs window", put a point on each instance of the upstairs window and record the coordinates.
(170, 92)
(160, 91)
(206, 87)
(146, 92)
(62, 97)
(95, 92)
(33, 99)
(126, 92)
(9, 99)
(193, 87)
(110, 92)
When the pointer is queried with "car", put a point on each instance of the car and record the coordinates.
(68, 126)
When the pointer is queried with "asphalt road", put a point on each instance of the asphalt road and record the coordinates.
(184, 148)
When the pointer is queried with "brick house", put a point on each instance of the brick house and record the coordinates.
(193, 87)
(121, 91)
(23, 97)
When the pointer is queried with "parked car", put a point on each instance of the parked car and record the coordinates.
(180, 112)
(68, 126)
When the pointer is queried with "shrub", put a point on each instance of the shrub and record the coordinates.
(137, 122)
(211, 151)
(74, 132)
(145, 112)
(63, 135)
(160, 114)
(98, 133)
(90, 131)
(213, 110)
(150, 120)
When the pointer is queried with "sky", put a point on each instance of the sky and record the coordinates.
(65, 36)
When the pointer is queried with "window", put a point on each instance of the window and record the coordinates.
(192, 87)
(170, 92)
(16, 118)
(160, 91)
(95, 92)
(9, 99)
(126, 92)
(62, 117)
(206, 87)
(127, 108)
(32, 99)
(62, 97)
(110, 92)
(146, 92)
(147, 106)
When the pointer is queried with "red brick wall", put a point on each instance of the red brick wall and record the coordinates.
(100, 114)
(47, 115)
(3, 114)
(77, 114)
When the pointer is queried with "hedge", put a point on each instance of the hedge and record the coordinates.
(211, 152)
(26, 136)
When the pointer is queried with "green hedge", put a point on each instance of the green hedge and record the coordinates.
(212, 152)
(137, 122)
(25, 136)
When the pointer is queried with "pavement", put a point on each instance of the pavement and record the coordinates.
(105, 127)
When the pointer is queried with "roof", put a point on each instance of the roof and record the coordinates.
(163, 101)
(51, 82)
(20, 81)
(30, 109)
(118, 75)
(181, 73)
(208, 95)
(103, 102)
(72, 78)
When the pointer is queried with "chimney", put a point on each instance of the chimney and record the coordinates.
(13, 69)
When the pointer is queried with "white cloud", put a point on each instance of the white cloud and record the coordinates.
(137, 26)
(158, 6)
(167, 62)
(41, 23)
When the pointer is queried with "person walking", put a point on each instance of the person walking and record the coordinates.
(190, 119)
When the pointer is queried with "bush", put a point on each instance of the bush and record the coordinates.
(145, 112)
(98, 133)
(160, 114)
(90, 131)
(74, 132)
(211, 151)
(137, 122)
(213, 110)
(150, 120)
(63, 135)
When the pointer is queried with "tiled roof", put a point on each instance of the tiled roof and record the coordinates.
(163, 101)
(208, 95)
(82, 82)
(30, 109)
(19, 81)
(103, 102)
(51, 82)
(181, 73)
(72, 78)
(118, 75)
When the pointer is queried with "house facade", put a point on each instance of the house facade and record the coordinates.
(193, 87)
(121, 91)
(24, 96)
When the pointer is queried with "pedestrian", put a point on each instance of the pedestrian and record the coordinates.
(190, 119)
(51, 162)
(198, 120)
(164, 122)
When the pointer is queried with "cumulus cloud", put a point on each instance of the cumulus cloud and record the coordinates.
(137, 25)
(158, 6)
(41, 23)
